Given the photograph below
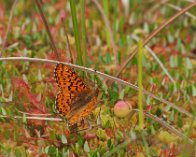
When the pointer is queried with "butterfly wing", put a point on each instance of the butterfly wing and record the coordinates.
(84, 111)
(62, 103)
(68, 80)
(75, 100)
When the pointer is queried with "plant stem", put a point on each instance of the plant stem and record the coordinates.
(76, 32)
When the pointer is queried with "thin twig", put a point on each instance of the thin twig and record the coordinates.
(155, 32)
(69, 48)
(89, 70)
(9, 24)
(189, 55)
(107, 23)
(47, 28)
(34, 114)
(178, 8)
(33, 118)
(166, 125)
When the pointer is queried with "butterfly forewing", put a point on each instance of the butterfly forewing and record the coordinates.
(68, 80)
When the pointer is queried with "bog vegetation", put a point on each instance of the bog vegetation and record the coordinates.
(139, 57)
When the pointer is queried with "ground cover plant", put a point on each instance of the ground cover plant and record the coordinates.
(134, 60)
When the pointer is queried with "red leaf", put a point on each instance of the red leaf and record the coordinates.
(109, 132)
(20, 84)
(36, 103)
(89, 136)
(24, 90)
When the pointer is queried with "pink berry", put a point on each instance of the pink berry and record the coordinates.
(122, 108)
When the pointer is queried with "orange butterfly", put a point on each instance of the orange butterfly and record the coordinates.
(74, 100)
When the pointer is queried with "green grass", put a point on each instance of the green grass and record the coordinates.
(140, 82)
(76, 32)
(83, 32)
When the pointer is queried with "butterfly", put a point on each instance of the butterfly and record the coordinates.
(75, 100)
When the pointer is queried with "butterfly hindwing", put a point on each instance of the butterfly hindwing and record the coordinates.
(63, 102)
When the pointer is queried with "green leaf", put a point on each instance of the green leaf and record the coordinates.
(20, 151)
(170, 38)
(121, 94)
(63, 139)
(180, 122)
(46, 149)
(24, 118)
(193, 90)
(188, 64)
(3, 111)
(109, 144)
(158, 112)
(172, 115)
(173, 61)
(77, 148)
(80, 140)
(86, 147)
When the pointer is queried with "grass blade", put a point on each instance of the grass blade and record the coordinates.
(76, 32)
(83, 31)
(140, 94)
